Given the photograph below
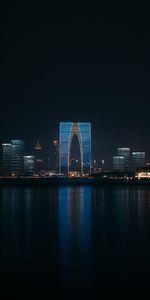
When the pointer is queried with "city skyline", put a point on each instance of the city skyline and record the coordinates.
(123, 158)
(65, 64)
(105, 146)
(74, 150)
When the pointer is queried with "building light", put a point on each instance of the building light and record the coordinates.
(143, 174)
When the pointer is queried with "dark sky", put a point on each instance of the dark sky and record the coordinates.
(75, 63)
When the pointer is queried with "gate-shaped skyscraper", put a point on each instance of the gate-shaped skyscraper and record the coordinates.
(67, 130)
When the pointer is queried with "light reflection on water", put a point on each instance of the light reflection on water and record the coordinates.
(76, 234)
(75, 229)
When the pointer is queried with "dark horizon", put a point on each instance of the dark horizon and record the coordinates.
(69, 64)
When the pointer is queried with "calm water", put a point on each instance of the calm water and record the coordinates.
(74, 241)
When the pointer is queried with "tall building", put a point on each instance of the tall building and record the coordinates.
(56, 155)
(6, 158)
(118, 163)
(1, 159)
(67, 130)
(38, 157)
(17, 163)
(125, 152)
(138, 160)
(29, 165)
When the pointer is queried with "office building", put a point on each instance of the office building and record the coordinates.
(56, 155)
(6, 158)
(67, 130)
(29, 165)
(38, 157)
(138, 160)
(1, 159)
(125, 152)
(17, 162)
(118, 163)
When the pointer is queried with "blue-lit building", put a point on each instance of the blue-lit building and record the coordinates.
(67, 130)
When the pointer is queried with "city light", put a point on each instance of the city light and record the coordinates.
(17, 161)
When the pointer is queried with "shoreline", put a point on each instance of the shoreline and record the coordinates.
(28, 181)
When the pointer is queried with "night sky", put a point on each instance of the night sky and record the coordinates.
(73, 63)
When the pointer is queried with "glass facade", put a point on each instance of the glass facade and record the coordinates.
(125, 152)
(118, 163)
(138, 160)
(29, 164)
(6, 164)
(66, 132)
(17, 156)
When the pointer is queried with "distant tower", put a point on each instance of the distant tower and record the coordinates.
(29, 165)
(6, 159)
(1, 158)
(17, 163)
(125, 152)
(56, 155)
(38, 157)
(138, 160)
(118, 163)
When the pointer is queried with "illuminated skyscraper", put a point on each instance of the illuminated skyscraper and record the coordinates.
(67, 131)
(6, 158)
(17, 163)
(118, 163)
(125, 152)
(138, 160)
(29, 164)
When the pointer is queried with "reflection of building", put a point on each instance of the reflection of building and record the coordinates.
(118, 163)
(18, 147)
(83, 133)
(138, 160)
(74, 211)
(56, 155)
(6, 159)
(125, 152)
(38, 157)
(29, 164)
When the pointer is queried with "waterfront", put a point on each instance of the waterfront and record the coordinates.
(77, 241)
(68, 181)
